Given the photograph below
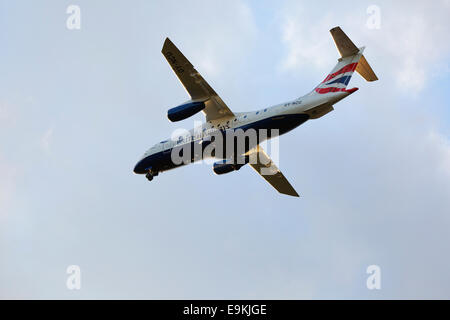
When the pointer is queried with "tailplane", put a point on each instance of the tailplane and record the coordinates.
(365, 71)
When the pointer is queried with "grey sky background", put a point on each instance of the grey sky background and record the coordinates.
(78, 108)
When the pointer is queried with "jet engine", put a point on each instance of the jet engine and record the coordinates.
(225, 166)
(185, 110)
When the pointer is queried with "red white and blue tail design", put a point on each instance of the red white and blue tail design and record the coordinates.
(351, 60)
(338, 79)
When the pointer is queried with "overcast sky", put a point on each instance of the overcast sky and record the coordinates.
(79, 107)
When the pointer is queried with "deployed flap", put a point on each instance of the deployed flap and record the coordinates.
(364, 69)
(194, 83)
(269, 171)
(343, 43)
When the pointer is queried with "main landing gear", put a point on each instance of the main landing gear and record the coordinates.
(150, 174)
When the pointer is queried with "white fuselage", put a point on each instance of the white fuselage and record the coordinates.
(315, 106)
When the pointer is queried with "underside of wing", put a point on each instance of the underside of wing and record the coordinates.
(194, 83)
(262, 164)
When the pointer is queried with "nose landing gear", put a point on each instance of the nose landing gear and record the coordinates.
(150, 174)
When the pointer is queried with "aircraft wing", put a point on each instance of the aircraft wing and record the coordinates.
(194, 83)
(261, 162)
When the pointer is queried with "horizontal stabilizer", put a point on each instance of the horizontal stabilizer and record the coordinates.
(365, 71)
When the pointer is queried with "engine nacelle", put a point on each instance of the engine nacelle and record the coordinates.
(185, 110)
(225, 166)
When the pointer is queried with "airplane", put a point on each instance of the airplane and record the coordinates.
(219, 118)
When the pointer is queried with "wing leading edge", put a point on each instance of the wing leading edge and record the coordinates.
(194, 83)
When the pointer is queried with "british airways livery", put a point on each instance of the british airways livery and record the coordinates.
(275, 120)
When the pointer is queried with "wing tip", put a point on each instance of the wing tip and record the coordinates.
(291, 193)
(167, 42)
(337, 28)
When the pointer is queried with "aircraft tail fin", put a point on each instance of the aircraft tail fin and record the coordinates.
(352, 59)
(347, 48)
(338, 79)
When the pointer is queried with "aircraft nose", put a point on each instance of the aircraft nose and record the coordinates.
(138, 167)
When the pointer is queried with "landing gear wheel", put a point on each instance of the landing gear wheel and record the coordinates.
(149, 176)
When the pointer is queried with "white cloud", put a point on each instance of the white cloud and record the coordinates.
(411, 75)
(46, 139)
(220, 47)
(414, 40)
(409, 44)
(215, 40)
(306, 43)
(387, 193)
